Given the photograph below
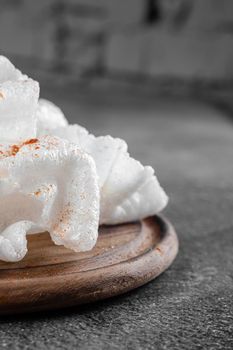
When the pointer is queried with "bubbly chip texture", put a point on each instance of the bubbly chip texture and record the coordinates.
(58, 177)
(129, 191)
(49, 116)
(47, 184)
(18, 103)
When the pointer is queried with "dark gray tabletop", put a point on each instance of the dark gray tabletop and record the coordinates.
(190, 306)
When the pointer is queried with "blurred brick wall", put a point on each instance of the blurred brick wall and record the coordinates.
(185, 39)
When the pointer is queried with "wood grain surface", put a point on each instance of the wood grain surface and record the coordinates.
(125, 257)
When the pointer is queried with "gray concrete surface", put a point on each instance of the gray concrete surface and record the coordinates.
(190, 306)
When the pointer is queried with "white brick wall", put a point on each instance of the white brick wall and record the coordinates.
(15, 36)
(190, 55)
(126, 12)
(210, 14)
(124, 52)
(113, 34)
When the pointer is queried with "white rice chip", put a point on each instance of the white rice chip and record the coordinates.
(18, 103)
(49, 116)
(47, 184)
(129, 191)
(8, 72)
(147, 200)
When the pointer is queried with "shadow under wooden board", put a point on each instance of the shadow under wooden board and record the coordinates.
(50, 277)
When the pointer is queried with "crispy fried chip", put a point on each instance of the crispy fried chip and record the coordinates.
(129, 191)
(47, 184)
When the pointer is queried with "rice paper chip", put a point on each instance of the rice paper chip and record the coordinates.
(147, 200)
(47, 184)
(8, 72)
(129, 191)
(18, 104)
(49, 116)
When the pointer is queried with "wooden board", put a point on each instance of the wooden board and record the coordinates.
(125, 257)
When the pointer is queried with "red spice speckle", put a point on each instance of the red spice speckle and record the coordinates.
(30, 142)
(14, 149)
(159, 250)
(61, 227)
(37, 193)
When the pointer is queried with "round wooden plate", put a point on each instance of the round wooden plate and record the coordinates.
(125, 257)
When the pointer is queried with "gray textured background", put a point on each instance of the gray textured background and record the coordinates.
(182, 40)
(190, 306)
(104, 62)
